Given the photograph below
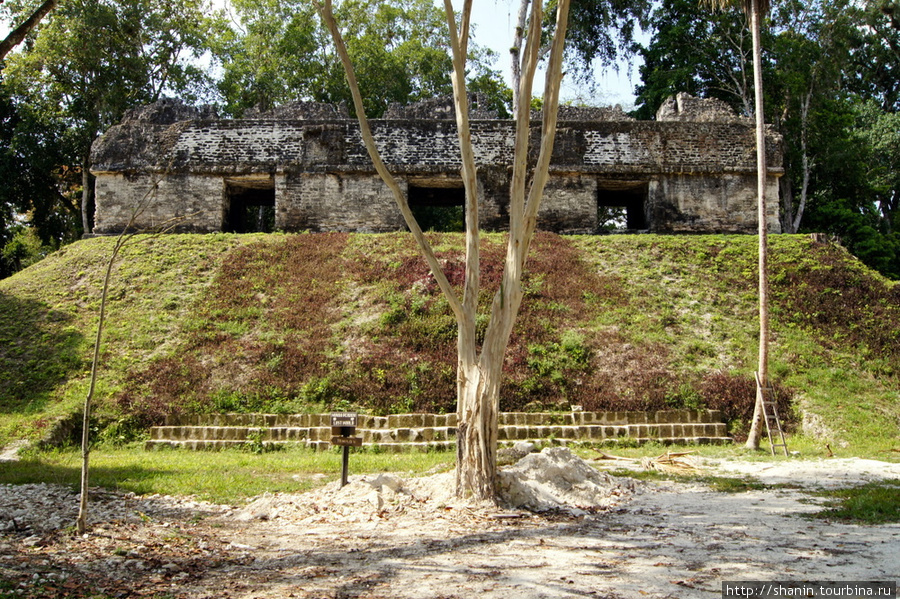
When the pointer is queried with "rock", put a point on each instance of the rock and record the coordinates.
(43, 508)
(555, 478)
(511, 455)
(262, 508)
(384, 482)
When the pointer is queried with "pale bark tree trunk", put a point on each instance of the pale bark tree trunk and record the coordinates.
(515, 53)
(479, 374)
(806, 163)
(753, 438)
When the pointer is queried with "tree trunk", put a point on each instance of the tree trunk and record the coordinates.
(479, 373)
(515, 53)
(755, 434)
(806, 164)
(81, 520)
(478, 398)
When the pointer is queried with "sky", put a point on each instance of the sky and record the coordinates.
(494, 21)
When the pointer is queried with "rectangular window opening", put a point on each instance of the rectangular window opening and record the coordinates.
(621, 206)
(249, 206)
(439, 208)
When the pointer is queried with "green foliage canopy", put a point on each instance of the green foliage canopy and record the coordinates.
(827, 92)
(600, 32)
(276, 51)
(76, 75)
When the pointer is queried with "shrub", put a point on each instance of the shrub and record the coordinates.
(735, 396)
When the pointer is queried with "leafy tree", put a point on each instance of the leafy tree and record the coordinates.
(93, 60)
(856, 184)
(19, 33)
(479, 366)
(600, 32)
(704, 54)
(875, 53)
(35, 193)
(811, 49)
(880, 133)
(862, 232)
(270, 55)
(278, 52)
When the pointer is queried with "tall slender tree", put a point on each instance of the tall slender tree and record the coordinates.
(479, 370)
(755, 10)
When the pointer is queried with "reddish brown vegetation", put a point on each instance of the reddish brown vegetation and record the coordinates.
(846, 307)
(272, 333)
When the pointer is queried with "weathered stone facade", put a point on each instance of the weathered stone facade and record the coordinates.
(691, 170)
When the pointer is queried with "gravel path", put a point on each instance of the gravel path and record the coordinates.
(384, 537)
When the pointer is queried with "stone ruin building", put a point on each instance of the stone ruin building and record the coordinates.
(303, 166)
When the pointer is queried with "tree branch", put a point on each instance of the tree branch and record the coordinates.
(327, 15)
(19, 33)
(461, 101)
(523, 122)
(553, 81)
(516, 52)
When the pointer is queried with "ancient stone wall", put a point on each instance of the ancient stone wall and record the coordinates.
(182, 202)
(695, 167)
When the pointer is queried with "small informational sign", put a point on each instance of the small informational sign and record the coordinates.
(344, 419)
(343, 427)
(347, 441)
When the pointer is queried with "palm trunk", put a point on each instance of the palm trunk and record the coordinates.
(755, 434)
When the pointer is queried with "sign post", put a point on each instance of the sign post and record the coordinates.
(343, 427)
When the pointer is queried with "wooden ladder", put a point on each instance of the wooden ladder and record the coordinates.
(770, 415)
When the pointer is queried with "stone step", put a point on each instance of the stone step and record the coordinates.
(378, 436)
(450, 420)
(399, 447)
(219, 444)
(434, 431)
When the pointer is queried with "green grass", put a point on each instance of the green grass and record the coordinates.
(872, 503)
(298, 323)
(226, 477)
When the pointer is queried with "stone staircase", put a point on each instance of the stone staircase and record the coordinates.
(403, 432)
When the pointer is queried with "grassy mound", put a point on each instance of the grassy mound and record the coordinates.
(313, 322)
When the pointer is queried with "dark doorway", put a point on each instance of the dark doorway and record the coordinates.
(621, 205)
(250, 205)
(439, 208)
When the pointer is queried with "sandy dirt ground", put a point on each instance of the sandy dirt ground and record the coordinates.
(385, 537)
